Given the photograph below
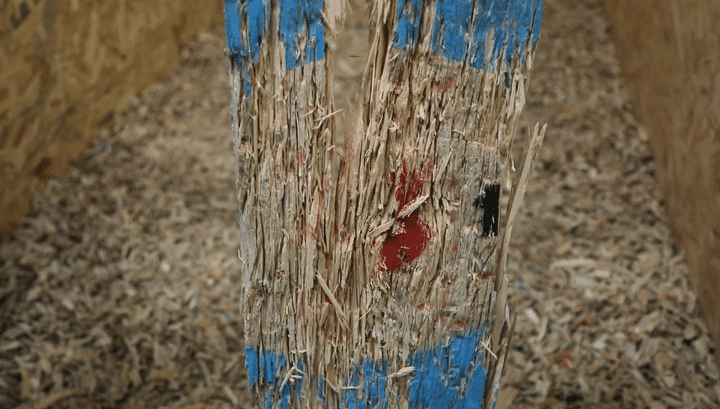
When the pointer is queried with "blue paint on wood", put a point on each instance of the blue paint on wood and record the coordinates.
(374, 376)
(449, 376)
(407, 31)
(460, 28)
(253, 367)
(268, 367)
(302, 18)
(232, 27)
(300, 23)
(256, 13)
(257, 20)
(321, 390)
(299, 385)
(452, 30)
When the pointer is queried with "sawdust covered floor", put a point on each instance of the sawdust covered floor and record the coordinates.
(605, 315)
(125, 275)
(121, 288)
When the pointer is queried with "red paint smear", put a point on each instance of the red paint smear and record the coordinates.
(446, 84)
(406, 192)
(412, 236)
(407, 245)
(462, 325)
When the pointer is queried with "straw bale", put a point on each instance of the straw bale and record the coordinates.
(670, 53)
(66, 69)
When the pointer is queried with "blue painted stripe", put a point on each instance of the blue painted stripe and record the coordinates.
(298, 19)
(374, 376)
(449, 376)
(257, 20)
(321, 389)
(460, 28)
(452, 375)
(267, 367)
(232, 27)
(302, 18)
(256, 12)
(409, 16)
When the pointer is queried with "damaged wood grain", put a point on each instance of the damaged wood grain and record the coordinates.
(373, 271)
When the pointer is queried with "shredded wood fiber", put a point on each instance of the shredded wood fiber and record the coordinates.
(121, 288)
(370, 252)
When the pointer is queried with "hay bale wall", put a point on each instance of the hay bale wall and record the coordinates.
(66, 68)
(670, 54)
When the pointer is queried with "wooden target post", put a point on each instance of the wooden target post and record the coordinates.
(374, 270)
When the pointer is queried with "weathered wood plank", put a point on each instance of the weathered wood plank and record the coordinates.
(373, 271)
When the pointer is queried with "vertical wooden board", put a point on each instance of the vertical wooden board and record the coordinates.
(66, 68)
(670, 55)
(372, 271)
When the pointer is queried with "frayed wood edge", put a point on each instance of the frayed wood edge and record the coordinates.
(530, 152)
(333, 300)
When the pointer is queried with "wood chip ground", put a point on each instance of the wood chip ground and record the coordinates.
(121, 288)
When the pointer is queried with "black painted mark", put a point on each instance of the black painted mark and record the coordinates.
(489, 202)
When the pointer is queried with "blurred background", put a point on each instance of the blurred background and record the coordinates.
(119, 278)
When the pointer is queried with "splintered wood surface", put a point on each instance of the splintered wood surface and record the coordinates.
(121, 288)
(373, 270)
